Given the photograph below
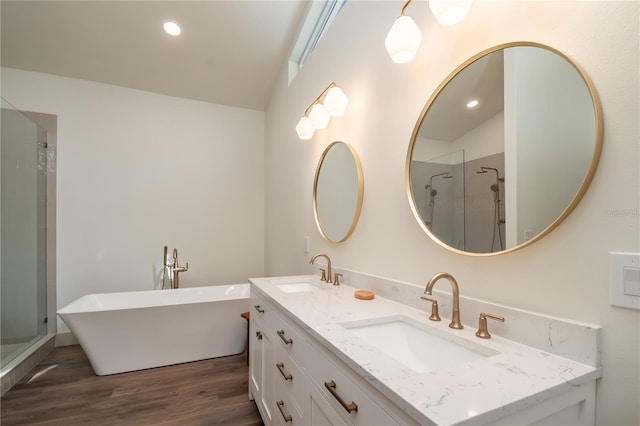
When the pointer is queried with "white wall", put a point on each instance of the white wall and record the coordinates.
(137, 171)
(550, 127)
(566, 273)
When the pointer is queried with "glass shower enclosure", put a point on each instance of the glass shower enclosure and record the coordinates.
(23, 222)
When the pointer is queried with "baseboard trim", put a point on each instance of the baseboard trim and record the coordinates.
(66, 339)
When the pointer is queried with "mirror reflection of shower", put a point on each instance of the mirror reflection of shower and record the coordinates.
(498, 220)
(432, 193)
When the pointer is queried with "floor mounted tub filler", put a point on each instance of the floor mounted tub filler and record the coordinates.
(136, 330)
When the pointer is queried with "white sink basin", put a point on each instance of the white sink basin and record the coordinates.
(293, 284)
(295, 287)
(413, 345)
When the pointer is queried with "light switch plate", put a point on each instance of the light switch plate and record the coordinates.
(625, 280)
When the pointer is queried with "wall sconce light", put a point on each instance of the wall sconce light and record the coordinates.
(404, 37)
(450, 12)
(332, 102)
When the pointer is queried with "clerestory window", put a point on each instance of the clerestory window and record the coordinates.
(319, 19)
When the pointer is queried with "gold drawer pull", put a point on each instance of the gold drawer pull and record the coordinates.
(258, 335)
(332, 388)
(284, 339)
(280, 367)
(287, 418)
(259, 309)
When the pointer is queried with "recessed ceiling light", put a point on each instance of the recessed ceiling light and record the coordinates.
(472, 103)
(171, 28)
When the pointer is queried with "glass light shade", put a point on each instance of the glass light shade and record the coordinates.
(403, 40)
(335, 101)
(305, 129)
(319, 116)
(450, 12)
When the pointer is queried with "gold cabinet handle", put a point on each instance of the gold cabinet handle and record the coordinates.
(258, 335)
(259, 309)
(287, 418)
(280, 367)
(331, 386)
(284, 339)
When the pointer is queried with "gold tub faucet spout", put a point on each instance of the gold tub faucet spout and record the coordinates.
(455, 316)
(329, 276)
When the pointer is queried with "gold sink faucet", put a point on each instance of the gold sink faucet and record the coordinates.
(455, 316)
(329, 278)
(483, 330)
(176, 268)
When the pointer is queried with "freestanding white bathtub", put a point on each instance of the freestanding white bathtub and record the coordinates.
(143, 329)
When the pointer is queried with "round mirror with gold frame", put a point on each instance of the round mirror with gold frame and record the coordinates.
(504, 149)
(338, 190)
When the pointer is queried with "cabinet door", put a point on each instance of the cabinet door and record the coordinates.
(255, 357)
(260, 358)
(257, 331)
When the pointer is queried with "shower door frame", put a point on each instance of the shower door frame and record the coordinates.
(43, 342)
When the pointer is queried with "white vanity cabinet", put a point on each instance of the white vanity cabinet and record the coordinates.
(295, 381)
(308, 368)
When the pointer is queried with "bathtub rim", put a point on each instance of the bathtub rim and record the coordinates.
(71, 309)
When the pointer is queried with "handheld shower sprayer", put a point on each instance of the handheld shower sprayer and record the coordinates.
(166, 268)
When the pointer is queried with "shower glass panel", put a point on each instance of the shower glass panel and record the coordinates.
(23, 213)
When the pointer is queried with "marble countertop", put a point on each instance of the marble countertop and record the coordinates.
(482, 391)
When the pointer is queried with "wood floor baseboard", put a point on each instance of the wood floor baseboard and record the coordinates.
(66, 339)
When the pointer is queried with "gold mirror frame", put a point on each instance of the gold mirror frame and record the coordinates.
(599, 133)
(360, 189)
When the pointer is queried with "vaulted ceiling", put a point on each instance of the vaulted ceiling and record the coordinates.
(229, 52)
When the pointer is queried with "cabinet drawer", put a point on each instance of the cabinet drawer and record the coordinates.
(343, 394)
(287, 337)
(290, 376)
(259, 309)
(283, 410)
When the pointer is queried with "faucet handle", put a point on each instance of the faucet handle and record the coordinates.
(483, 330)
(324, 275)
(435, 315)
(336, 279)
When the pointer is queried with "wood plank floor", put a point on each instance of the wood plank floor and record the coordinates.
(209, 392)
